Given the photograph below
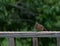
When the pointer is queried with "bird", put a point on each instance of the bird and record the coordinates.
(40, 27)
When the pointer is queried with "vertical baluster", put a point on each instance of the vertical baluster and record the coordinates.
(12, 41)
(35, 41)
(58, 41)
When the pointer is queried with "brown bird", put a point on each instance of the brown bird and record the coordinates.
(40, 27)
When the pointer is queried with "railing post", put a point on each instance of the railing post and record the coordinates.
(12, 42)
(58, 41)
(35, 41)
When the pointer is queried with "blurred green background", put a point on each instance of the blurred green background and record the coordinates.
(15, 18)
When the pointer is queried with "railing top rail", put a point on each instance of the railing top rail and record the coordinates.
(31, 34)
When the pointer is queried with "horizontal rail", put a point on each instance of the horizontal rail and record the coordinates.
(31, 34)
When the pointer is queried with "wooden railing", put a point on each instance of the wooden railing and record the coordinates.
(13, 35)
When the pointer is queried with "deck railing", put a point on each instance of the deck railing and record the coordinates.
(13, 35)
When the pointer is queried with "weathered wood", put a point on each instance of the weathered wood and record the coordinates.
(12, 42)
(34, 35)
(35, 41)
(58, 41)
(31, 34)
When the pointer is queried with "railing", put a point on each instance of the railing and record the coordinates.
(13, 35)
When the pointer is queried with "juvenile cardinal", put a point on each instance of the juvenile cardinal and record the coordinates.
(40, 27)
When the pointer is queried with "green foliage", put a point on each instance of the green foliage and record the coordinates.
(46, 12)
